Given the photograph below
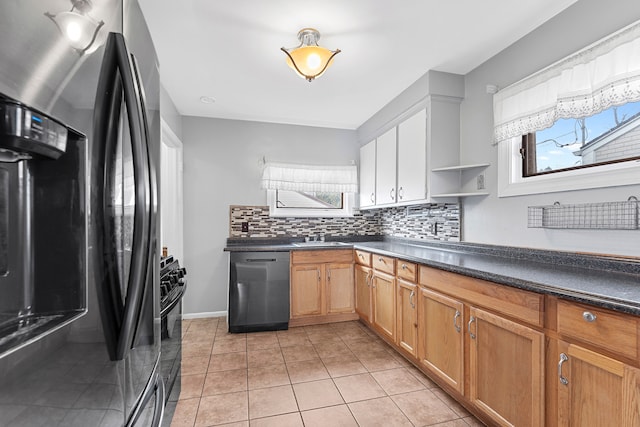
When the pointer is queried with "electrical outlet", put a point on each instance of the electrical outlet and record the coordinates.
(245, 227)
(480, 182)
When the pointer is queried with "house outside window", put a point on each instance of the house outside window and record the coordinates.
(610, 136)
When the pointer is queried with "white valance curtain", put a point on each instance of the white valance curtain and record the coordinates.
(600, 76)
(295, 177)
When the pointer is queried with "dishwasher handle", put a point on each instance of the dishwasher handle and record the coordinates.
(260, 260)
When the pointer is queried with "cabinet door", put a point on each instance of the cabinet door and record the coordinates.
(386, 168)
(368, 175)
(306, 290)
(340, 290)
(506, 372)
(407, 317)
(412, 158)
(384, 303)
(363, 292)
(441, 337)
(595, 390)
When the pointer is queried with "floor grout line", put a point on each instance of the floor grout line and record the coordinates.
(313, 336)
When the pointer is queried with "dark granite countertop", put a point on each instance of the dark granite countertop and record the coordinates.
(607, 282)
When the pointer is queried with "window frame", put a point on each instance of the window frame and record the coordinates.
(275, 211)
(511, 181)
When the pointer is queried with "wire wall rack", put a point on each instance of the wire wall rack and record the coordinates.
(590, 216)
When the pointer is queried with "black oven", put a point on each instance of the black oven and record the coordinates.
(173, 283)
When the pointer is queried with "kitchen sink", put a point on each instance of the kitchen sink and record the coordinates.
(319, 244)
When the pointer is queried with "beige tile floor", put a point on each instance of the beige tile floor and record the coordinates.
(338, 374)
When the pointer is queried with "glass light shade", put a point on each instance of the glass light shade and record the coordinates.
(311, 61)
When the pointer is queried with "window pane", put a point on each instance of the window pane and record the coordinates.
(308, 200)
(612, 135)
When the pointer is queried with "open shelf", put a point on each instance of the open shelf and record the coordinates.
(460, 167)
(456, 181)
(478, 193)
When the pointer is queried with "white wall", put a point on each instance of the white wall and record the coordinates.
(221, 168)
(503, 221)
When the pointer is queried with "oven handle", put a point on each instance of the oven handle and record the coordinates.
(174, 302)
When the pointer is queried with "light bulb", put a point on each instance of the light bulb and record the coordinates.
(313, 61)
(73, 31)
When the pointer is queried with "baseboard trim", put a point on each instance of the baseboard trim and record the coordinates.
(204, 315)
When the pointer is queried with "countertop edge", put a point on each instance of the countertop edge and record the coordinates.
(498, 253)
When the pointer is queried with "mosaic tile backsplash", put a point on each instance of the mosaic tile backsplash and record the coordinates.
(426, 222)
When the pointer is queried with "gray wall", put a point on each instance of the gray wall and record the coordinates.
(170, 113)
(504, 220)
(222, 167)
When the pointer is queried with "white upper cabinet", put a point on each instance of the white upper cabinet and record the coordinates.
(368, 175)
(412, 158)
(422, 144)
(386, 168)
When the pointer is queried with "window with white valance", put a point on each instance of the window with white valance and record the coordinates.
(296, 190)
(295, 177)
(587, 85)
(600, 76)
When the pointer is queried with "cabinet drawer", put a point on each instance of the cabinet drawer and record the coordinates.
(613, 331)
(321, 256)
(406, 270)
(384, 263)
(523, 305)
(362, 258)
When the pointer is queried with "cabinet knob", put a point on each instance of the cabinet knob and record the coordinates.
(589, 316)
(404, 266)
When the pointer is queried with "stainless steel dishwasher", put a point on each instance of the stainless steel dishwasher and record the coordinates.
(258, 291)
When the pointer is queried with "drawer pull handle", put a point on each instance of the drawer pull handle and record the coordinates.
(471, 334)
(411, 295)
(455, 321)
(392, 194)
(563, 358)
(589, 316)
(404, 266)
(373, 200)
(381, 259)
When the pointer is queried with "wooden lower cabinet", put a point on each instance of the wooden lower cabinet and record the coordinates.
(506, 369)
(441, 337)
(383, 300)
(407, 316)
(485, 343)
(595, 390)
(322, 287)
(363, 292)
(307, 290)
(339, 291)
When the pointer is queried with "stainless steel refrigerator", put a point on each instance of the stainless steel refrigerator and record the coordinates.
(79, 261)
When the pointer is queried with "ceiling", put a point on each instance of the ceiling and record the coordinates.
(230, 51)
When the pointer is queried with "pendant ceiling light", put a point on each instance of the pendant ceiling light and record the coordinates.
(309, 60)
(79, 29)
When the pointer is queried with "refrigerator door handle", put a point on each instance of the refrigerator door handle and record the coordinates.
(120, 320)
(153, 185)
(141, 249)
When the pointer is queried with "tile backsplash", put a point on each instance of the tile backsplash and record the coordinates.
(426, 222)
